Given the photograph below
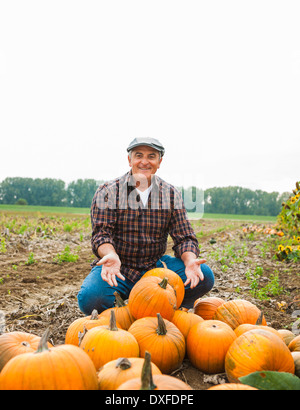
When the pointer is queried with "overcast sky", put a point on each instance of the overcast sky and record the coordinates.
(216, 81)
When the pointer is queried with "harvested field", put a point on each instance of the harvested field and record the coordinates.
(39, 283)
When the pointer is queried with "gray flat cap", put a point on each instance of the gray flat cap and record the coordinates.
(150, 142)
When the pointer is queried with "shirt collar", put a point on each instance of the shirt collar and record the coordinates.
(128, 179)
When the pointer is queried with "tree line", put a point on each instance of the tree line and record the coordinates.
(243, 201)
(79, 193)
(48, 192)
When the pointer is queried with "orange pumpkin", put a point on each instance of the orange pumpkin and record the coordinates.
(257, 350)
(207, 345)
(150, 296)
(79, 327)
(294, 346)
(286, 335)
(185, 320)
(117, 372)
(232, 386)
(240, 330)
(122, 312)
(64, 367)
(157, 382)
(246, 327)
(238, 312)
(106, 343)
(14, 343)
(207, 307)
(174, 280)
(162, 339)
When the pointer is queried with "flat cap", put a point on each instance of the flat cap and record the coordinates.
(150, 142)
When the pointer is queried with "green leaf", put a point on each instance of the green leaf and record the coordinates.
(272, 381)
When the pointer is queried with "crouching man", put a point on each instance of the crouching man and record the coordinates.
(132, 217)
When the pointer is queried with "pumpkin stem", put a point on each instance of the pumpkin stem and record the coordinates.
(163, 283)
(123, 363)
(147, 378)
(119, 301)
(43, 346)
(260, 319)
(81, 335)
(113, 322)
(183, 309)
(161, 329)
(94, 315)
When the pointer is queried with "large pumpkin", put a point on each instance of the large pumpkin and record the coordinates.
(64, 367)
(174, 280)
(106, 343)
(162, 339)
(14, 343)
(257, 350)
(294, 346)
(238, 312)
(79, 327)
(122, 312)
(185, 320)
(150, 296)
(206, 307)
(157, 382)
(117, 372)
(207, 345)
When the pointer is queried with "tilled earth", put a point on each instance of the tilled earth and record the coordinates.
(44, 293)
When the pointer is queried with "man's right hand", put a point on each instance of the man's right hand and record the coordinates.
(111, 265)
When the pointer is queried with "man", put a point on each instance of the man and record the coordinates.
(132, 217)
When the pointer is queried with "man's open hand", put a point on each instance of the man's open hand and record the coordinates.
(111, 265)
(193, 272)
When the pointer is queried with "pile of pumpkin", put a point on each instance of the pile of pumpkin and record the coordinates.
(139, 344)
(266, 231)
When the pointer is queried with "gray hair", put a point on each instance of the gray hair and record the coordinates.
(130, 154)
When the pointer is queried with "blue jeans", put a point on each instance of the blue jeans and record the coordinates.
(95, 293)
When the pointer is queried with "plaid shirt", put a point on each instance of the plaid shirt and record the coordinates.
(139, 234)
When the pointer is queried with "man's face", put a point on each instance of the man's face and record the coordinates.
(144, 161)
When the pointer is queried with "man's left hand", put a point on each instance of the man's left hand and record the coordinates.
(193, 272)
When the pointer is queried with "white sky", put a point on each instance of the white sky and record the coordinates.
(218, 82)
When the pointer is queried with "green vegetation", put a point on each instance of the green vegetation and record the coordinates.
(271, 289)
(242, 201)
(270, 380)
(231, 217)
(289, 253)
(289, 217)
(30, 260)
(65, 256)
(42, 225)
(86, 211)
(79, 194)
(289, 222)
(44, 209)
(2, 245)
(47, 192)
(232, 253)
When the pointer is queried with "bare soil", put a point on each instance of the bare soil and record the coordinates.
(44, 293)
